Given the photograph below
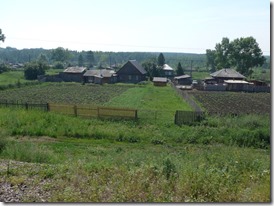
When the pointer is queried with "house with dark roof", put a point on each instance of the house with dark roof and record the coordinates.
(227, 74)
(73, 74)
(100, 76)
(183, 80)
(131, 72)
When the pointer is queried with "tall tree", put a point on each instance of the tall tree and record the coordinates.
(180, 70)
(246, 54)
(80, 60)
(210, 57)
(60, 54)
(243, 54)
(223, 52)
(90, 59)
(161, 60)
(2, 36)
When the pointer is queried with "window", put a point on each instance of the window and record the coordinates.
(137, 77)
(129, 77)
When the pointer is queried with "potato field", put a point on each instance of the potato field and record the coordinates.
(233, 102)
(69, 93)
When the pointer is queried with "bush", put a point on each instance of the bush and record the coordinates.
(32, 70)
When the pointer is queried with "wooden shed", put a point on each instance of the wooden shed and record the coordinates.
(100, 76)
(183, 80)
(73, 74)
(159, 81)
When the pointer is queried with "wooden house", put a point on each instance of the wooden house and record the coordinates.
(73, 74)
(227, 74)
(159, 81)
(168, 71)
(100, 76)
(183, 80)
(131, 72)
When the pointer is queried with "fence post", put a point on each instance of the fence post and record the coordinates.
(27, 106)
(98, 113)
(75, 110)
(175, 120)
(47, 107)
(136, 114)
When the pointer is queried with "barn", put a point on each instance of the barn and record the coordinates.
(183, 80)
(131, 72)
(73, 74)
(100, 76)
(159, 81)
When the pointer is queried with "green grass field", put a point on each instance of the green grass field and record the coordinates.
(12, 77)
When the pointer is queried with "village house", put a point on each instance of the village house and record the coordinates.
(73, 74)
(159, 81)
(168, 71)
(131, 72)
(226, 74)
(100, 76)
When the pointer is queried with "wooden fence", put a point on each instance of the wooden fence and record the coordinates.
(186, 117)
(24, 105)
(75, 110)
(94, 111)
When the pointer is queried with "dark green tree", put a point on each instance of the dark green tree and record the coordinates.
(180, 70)
(60, 54)
(161, 60)
(2, 36)
(243, 54)
(80, 60)
(90, 59)
(210, 57)
(151, 68)
(33, 69)
(223, 54)
(246, 54)
(43, 59)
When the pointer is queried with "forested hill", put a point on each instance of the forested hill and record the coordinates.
(13, 55)
(99, 58)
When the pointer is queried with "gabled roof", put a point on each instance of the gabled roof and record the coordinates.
(138, 66)
(159, 79)
(100, 72)
(166, 67)
(227, 73)
(182, 77)
(75, 70)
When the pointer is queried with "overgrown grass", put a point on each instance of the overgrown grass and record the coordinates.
(12, 77)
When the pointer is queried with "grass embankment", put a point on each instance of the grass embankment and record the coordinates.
(111, 161)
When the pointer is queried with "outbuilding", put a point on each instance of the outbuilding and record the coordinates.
(159, 81)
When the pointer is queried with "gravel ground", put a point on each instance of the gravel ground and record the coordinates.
(19, 185)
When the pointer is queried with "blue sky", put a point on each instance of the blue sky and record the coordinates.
(190, 26)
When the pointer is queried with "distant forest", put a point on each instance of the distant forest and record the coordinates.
(104, 59)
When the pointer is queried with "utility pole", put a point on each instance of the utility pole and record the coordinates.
(109, 61)
(191, 68)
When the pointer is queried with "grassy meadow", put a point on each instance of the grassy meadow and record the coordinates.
(72, 159)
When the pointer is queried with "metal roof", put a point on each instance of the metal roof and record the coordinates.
(230, 81)
(228, 73)
(100, 72)
(75, 69)
(166, 67)
(159, 79)
(182, 77)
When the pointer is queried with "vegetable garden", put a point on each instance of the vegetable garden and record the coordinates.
(233, 102)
